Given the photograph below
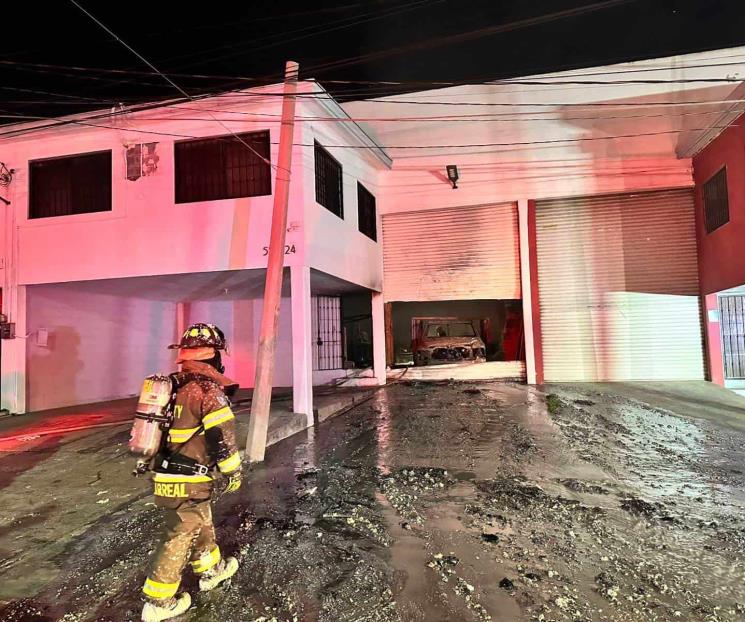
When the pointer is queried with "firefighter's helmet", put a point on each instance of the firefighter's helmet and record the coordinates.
(201, 336)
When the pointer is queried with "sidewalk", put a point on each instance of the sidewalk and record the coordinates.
(35, 430)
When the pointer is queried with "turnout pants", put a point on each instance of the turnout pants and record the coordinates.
(189, 535)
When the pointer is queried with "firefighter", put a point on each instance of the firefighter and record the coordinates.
(200, 444)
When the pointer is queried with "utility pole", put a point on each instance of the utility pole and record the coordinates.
(262, 396)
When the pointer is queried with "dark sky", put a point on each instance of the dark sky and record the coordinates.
(413, 41)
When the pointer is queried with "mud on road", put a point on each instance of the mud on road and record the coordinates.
(455, 501)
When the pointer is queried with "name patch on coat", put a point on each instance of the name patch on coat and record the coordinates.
(170, 490)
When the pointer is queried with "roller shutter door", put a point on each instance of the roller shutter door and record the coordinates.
(463, 253)
(618, 288)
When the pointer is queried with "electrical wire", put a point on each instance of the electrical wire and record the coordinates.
(587, 105)
(167, 79)
(275, 118)
(519, 115)
(323, 96)
(511, 115)
(406, 147)
(538, 80)
(468, 35)
(475, 117)
(268, 18)
(303, 33)
(76, 98)
(277, 77)
(578, 11)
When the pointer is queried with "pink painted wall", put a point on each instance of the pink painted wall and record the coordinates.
(713, 339)
(721, 256)
(147, 233)
(100, 346)
(241, 321)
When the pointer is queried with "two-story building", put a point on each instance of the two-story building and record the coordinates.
(126, 225)
(568, 238)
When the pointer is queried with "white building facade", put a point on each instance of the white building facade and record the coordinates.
(125, 227)
(570, 237)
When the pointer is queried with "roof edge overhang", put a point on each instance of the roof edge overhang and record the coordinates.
(700, 140)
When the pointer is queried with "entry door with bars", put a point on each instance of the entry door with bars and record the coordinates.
(732, 318)
(328, 333)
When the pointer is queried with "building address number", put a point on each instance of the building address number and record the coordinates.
(289, 250)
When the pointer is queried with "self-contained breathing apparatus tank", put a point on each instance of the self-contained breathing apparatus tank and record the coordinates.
(152, 419)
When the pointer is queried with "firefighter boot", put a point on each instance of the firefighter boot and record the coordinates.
(167, 609)
(221, 572)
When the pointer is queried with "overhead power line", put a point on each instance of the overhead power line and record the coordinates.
(179, 104)
(508, 117)
(165, 77)
(286, 37)
(543, 80)
(424, 101)
(460, 37)
(402, 147)
(468, 36)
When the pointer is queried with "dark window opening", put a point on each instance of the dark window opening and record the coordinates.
(223, 168)
(79, 184)
(328, 182)
(367, 220)
(716, 201)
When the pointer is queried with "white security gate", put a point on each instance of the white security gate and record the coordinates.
(732, 322)
(461, 253)
(618, 288)
(327, 324)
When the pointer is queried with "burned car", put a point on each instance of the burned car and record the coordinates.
(446, 340)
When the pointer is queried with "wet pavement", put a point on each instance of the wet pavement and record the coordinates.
(429, 502)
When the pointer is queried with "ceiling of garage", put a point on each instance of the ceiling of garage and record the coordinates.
(227, 285)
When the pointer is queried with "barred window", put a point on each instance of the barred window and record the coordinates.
(716, 201)
(328, 181)
(366, 214)
(79, 184)
(222, 167)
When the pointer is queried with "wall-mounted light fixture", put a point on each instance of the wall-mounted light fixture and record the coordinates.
(452, 170)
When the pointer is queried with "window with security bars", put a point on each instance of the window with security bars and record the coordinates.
(223, 167)
(716, 201)
(366, 214)
(329, 351)
(79, 184)
(328, 181)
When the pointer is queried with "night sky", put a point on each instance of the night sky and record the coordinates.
(412, 41)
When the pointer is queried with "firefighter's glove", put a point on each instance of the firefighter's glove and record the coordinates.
(234, 481)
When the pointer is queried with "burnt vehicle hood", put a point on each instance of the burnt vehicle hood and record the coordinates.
(450, 342)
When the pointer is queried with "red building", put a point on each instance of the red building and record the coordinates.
(719, 174)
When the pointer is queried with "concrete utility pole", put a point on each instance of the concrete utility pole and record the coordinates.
(262, 396)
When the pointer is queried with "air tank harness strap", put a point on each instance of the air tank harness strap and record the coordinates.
(172, 461)
(177, 464)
